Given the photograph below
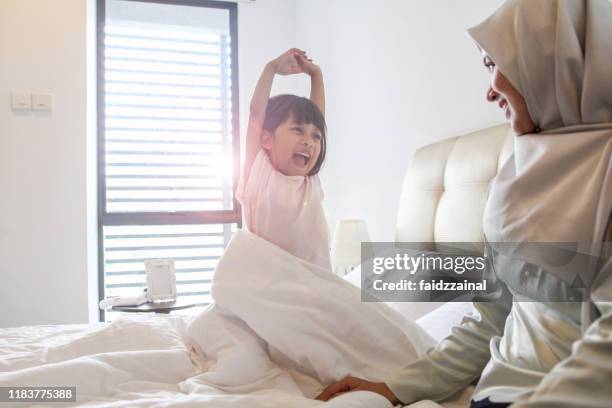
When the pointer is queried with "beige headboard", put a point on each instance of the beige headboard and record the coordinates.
(446, 187)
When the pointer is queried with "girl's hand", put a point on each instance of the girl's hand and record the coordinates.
(307, 65)
(287, 63)
(348, 384)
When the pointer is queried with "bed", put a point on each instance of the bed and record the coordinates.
(144, 360)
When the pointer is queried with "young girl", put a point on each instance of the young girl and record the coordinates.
(279, 188)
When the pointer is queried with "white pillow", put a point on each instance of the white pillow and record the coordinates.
(439, 322)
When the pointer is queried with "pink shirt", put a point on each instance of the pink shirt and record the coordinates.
(286, 210)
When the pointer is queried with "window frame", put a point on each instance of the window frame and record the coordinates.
(161, 218)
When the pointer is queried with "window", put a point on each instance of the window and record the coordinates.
(167, 141)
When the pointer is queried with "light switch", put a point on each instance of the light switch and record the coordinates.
(41, 101)
(21, 101)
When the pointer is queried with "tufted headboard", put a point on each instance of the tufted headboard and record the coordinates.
(446, 186)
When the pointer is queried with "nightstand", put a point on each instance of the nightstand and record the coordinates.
(165, 307)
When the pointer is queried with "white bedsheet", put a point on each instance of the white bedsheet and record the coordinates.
(143, 360)
(136, 361)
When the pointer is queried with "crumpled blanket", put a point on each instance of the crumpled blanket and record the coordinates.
(278, 321)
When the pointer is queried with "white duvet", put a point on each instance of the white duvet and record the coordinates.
(279, 330)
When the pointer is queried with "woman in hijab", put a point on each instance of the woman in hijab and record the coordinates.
(551, 66)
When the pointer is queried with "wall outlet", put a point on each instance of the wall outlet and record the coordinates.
(21, 101)
(42, 101)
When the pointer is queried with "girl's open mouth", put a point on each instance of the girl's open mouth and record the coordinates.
(301, 159)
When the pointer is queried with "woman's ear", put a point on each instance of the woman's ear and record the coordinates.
(267, 140)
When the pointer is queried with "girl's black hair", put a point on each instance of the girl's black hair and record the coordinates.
(303, 110)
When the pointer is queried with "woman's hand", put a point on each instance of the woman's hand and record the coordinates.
(287, 63)
(348, 384)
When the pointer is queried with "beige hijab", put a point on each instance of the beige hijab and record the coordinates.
(558, 185)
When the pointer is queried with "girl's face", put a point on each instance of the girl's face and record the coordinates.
(509, 100)
(293, 148)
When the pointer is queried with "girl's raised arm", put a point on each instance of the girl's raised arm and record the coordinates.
(317, 89)
(285, 64)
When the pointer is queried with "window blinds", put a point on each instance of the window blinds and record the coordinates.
(167, 148)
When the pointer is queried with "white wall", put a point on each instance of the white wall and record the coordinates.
(42, 164)
(399, 74)
(47, 208)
